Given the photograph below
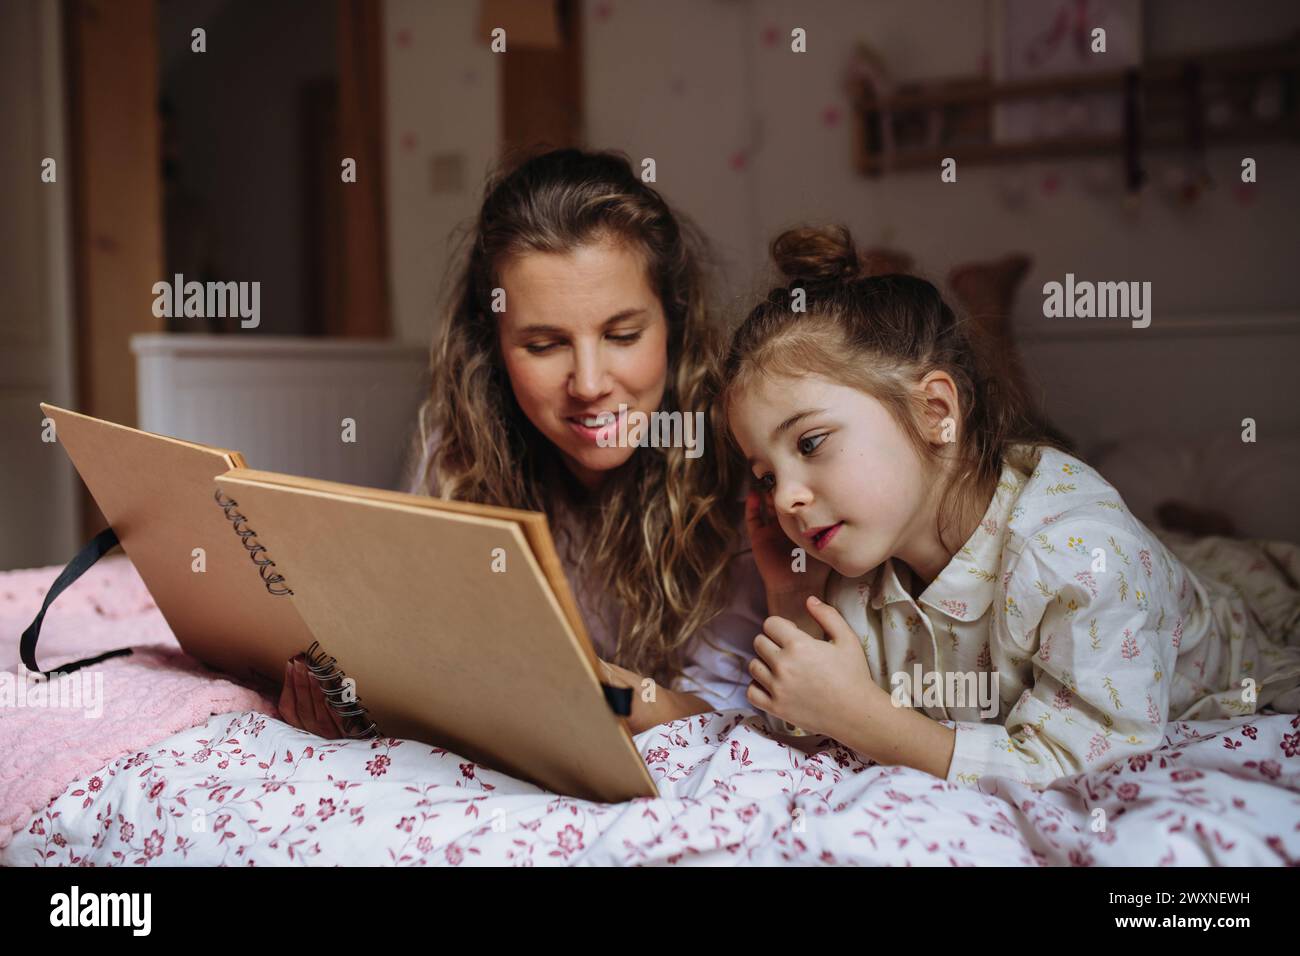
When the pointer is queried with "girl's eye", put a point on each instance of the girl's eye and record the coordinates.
(629, 337)
(808, 444)
(766, 482)
(536, 349)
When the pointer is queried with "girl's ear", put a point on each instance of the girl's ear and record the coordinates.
(938, 393)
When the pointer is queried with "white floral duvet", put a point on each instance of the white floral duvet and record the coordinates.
(247, 789)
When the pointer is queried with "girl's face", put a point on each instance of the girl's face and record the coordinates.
(846, 483)
(582, 333)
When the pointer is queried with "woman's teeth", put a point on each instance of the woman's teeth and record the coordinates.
(604, 418)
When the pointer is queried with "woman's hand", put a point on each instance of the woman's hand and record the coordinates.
(823, 687)
(773, 554)
(303, 703)
(651, 704)
(619, 676)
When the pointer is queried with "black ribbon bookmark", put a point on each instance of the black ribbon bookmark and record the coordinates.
(619, 698)
(99, 546)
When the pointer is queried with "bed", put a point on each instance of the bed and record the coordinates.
(184, 767)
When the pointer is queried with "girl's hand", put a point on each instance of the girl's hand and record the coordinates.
(303, 703)
(773, 554)
(823, 687)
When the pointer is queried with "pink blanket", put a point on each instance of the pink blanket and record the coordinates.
(121, 706)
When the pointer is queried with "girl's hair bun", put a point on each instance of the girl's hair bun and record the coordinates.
(817, 254)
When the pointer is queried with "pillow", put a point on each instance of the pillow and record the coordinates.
(1207, 486)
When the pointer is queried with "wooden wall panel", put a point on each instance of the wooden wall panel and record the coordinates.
(112, 56)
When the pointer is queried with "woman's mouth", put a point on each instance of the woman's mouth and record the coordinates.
(821, 537)
(601, 428)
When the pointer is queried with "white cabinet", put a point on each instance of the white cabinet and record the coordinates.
(281, 401)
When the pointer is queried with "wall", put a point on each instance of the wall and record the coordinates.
(751, 138)
(442, 106)
(38, 524)
(693, 84)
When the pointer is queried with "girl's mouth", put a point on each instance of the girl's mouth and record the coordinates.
(822, 537)
(602, 427)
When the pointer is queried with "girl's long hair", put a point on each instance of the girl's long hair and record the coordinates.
(882, 334)
(659, 532)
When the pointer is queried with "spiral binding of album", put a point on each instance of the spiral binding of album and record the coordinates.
(338, 690)
(248, 538)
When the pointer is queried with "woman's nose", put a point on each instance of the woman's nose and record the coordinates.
(588, 382)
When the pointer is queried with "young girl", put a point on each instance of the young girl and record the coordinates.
(989, 583)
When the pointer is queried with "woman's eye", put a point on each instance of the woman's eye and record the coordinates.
(808, 444)
(538, 348)
(766, 482)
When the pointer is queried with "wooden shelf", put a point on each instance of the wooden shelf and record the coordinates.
(1073, 147)
(963, 109)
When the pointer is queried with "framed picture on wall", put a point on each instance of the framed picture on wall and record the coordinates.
(1041, 39)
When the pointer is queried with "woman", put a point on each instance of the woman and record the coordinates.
(582, 293)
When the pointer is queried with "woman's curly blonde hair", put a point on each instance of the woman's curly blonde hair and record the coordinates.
(659, 532)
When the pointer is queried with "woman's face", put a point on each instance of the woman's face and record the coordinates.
(583, 333)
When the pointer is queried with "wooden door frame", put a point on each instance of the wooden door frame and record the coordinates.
(111, 55)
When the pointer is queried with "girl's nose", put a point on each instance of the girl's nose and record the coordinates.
(790, 496)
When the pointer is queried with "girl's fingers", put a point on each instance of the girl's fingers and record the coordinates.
(758, 696)
(761, 673)
(766, 648)
(756, 511)
(832, 622)
(782, 630)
